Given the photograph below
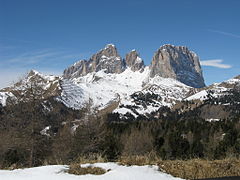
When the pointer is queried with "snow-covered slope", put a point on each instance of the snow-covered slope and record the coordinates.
(72, 95)
(156, 93)
(34, 83)
(107, 81)
(4, 96)
(216, 90)
(116, 172)
(100, 89)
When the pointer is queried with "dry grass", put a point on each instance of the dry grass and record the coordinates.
(77, 169)
(198, 169)
(93, 158)
(149, 159)
(188, 169)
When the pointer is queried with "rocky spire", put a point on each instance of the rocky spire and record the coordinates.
(134, 61)
(107, 59)
(179, 63)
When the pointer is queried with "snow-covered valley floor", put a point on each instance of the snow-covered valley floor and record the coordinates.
(117, 172)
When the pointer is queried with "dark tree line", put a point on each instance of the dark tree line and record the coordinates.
(170, 134)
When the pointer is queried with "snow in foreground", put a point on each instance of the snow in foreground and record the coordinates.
(117, 172)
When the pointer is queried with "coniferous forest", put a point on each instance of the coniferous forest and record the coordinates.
(41, 132)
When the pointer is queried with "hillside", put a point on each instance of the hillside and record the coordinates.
(129, 110)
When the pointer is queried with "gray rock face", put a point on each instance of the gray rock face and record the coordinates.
(134, 61)
(169, 61)
(107, 58)
(76, 70)
(179, 63)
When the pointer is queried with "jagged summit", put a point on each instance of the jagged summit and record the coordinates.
(169, 61)
(179, 63)
(134, 61)
(32, 72)
(110, 45)
(107, 59)
(109, 51)
(43, 86)
(124, 85)
(167, 46)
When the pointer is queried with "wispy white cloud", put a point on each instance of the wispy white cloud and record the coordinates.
(225, 33)
(215, 63)
(36, 56)
(47, 56)
(32, 57)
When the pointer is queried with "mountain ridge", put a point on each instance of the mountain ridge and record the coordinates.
(130, 84)
(169, 61)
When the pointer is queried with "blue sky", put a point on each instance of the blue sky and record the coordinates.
(49, 35)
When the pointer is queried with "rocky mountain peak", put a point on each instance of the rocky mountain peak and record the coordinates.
(179, 63)
(173, 47)
(134, 61)
(109, 51)
(169, 61)
(32, 73)
(106, 59)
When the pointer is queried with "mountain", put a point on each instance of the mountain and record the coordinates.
(33, 84)
(216, 90)
(101, 105)
(107, 79)
(134, 61)
(177, 62)
(107, 59)
(104, 89)
(106, 82)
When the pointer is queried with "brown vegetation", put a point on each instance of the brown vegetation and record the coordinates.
(137, 142)
(92, 158)
(140, 160)
(77, 169)
(186, 169)
(199, 169)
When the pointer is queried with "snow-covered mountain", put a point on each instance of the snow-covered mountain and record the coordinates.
(101, 89)
(123, 85)
(33, 84)
(107, 59)
(179, 63)
(216, 90)
(176, 62)
(107, 79)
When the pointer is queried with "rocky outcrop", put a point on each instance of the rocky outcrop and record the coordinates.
(134, 61)
(107, 59)
(169, 61)
(179, 63)
(79, 68)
